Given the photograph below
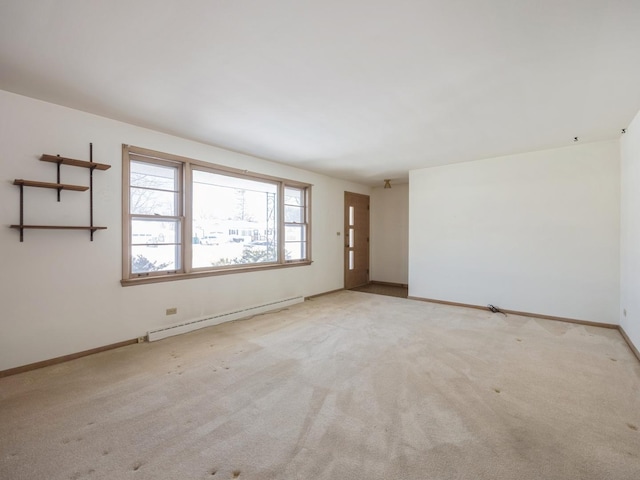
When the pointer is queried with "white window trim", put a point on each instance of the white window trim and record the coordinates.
(185, 203)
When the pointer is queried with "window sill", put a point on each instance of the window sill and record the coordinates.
(170, 277)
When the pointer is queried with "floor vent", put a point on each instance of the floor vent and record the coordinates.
(185, 327)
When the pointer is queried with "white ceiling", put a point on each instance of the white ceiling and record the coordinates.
(358, 89)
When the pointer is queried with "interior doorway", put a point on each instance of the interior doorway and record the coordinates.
(356, 237)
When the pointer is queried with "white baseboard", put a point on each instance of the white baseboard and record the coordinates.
(211, 320)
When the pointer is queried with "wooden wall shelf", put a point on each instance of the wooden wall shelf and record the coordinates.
(58, 160)
(57, 227)
(74, 163)
(57, 186)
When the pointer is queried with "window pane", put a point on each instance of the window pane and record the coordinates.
(234, 220)
(157, 258)
(294, 233)
(352, 237)
(150, 175)
(258, 252)
(152, 232)
(351, 260)
(293, 196)
(351, 215)
(233, 253)
(295, 250)
(152, 202)
(293, 214)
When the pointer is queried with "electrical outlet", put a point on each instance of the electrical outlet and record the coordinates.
(141, 339)
(172, 311)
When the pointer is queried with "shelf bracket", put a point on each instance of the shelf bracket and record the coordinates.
(91, 190)
(58, 168)
(21, 214)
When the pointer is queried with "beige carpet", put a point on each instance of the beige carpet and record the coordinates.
(344, 386)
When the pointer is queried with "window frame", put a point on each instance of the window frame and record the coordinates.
(304, 195)
(186, 166)
(178, 216)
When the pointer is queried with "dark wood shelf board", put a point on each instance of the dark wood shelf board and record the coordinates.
(73, 162)
(57, 227)
(56, 186)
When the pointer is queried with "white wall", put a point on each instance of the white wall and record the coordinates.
(630, 232)
(390, 234)
(60, 293)
(536, 232)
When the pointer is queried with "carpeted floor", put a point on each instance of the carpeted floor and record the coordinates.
(344, 386)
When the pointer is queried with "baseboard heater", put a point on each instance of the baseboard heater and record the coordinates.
(209, 321)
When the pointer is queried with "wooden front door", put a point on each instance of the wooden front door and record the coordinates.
(356, 239)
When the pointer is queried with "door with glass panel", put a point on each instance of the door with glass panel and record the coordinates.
(356, 237)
